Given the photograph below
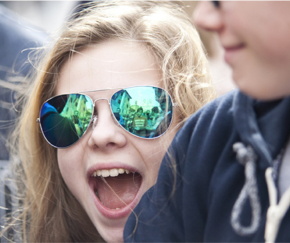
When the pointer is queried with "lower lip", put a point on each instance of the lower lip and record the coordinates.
(119, 213)
(231, 53)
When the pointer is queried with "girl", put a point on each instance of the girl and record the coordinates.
(83, 172)
(232, 157)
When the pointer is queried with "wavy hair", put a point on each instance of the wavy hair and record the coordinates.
(49, 212)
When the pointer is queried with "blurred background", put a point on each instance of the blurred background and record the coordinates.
(50, 15)
(46, 15)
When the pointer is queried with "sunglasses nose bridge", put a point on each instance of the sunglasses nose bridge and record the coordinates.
(94, 102)
(101, 99)
(109, 103)
(95, 117)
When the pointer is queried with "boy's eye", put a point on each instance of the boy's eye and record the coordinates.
(216, 3)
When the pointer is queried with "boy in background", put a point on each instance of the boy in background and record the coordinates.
(226, 178)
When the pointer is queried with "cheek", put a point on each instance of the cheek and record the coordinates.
(63, 158)
(153, 158)
(64, 165)
(155, 152)
(270, 50)
(69, 169)
(267, 37)
(70, 160)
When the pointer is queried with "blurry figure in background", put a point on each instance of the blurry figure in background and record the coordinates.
(16, 40)
(45, 15)
(155, 127)
(129, 119)
(147, 114)
(16, 62)
(139, 123)
(155, 114)
(226, 176)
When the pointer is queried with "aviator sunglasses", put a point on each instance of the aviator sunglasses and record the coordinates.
(143, 111)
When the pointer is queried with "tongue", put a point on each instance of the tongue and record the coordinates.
(117, 192)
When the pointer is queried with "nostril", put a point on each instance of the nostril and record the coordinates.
(111, 144)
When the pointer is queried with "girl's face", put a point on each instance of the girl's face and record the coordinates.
(110, 64)
(255, 37)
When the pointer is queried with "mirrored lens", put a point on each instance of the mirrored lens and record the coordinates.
(143, 111)
(65, 118)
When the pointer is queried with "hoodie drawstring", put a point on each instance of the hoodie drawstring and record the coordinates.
(246, 156)
(275, 211)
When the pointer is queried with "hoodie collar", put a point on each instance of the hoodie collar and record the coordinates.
(264, 125)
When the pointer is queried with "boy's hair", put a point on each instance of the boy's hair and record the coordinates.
(50, 213)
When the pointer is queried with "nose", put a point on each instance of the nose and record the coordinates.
(106, 134)
(207, 16)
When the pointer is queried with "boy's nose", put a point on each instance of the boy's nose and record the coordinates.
(207, 16)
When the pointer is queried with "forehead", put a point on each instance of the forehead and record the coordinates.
(110, 64)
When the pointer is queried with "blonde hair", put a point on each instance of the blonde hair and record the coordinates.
(50, 213)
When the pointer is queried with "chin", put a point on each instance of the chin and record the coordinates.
(260, 93)
(113, 236)
(114, 239)
(255, 89)
(260, 87)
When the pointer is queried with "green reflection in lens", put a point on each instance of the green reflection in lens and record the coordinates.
(143, 111)
(65, 118)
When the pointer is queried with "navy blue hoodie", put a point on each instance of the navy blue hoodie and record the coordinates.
(212, 187)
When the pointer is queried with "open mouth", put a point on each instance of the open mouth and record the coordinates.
(115, 188)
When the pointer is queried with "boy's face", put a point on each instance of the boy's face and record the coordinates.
(255, 37)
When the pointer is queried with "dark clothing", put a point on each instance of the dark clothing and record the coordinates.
(210, 175)
(16, 37)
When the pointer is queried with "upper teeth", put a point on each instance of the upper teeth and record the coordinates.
(111, 172)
